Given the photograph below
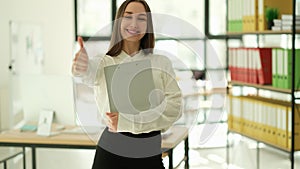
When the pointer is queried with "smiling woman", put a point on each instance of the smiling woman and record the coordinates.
(131, 140)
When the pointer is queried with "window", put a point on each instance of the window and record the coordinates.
(183, 54)
(184, 33)
(189, 11)
(94, 17)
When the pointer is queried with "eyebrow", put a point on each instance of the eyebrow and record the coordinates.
(141, 14)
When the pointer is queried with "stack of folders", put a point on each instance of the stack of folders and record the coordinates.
(287, 22)
(264, 121)
(277, 25)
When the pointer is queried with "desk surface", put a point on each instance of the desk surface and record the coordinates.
(179, 133)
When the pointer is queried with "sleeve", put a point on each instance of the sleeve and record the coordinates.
(162, 116)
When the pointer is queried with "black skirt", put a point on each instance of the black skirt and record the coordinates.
(128, 151)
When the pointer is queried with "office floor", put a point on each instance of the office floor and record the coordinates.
(242, 153)
(210, 155)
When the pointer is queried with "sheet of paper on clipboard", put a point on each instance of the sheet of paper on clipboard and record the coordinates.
(130, 86)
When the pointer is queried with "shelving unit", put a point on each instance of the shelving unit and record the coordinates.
(291, 148)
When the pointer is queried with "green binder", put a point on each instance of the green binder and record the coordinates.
(274, 67)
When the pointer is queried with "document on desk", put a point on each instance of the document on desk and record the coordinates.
(130, 86)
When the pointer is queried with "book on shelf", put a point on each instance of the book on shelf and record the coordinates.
(277, 25)
(277, 22)
(290, 22)
(290, 27)
(289, 17)
(276, 28)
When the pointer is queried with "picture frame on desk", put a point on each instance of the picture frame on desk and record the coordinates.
(45, 123)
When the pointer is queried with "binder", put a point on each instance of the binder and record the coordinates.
(280, 68)
(229, 111)
(246, 117)
(232, 63)
(264, 60)
(282, 118)
(297, 127)
(243, 71)
(250, 15)
(274, 68)
(261, 15)
(273, 123)
(235, 14)
(246, 15)
(287, 69)
(237, 112)
(254, 67)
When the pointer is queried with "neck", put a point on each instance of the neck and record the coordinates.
(131, 48)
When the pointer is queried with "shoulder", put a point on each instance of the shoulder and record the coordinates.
(104, 60)
(160, 59)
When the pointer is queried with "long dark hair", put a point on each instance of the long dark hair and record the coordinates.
(116, 43)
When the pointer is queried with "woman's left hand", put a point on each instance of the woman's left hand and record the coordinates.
(112, 121)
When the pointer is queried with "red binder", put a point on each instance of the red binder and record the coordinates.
(264, 61)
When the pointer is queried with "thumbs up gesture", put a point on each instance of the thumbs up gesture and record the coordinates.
(81, 60)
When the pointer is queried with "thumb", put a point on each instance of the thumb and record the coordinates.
(80, 42)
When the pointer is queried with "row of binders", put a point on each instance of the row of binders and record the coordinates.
(250, 15)
(251, 65)
(272, 66)
(267, 122)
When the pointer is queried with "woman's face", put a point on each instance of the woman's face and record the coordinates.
(134, 22)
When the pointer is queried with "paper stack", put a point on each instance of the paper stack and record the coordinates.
(287, 22)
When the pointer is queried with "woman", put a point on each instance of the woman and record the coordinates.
(135, 141)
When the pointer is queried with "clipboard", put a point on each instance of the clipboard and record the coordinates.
(130, 86)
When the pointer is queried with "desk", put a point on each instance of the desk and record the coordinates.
(83, 141)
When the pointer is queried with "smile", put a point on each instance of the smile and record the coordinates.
(132, 32)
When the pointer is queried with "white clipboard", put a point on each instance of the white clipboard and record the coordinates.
(130, 86)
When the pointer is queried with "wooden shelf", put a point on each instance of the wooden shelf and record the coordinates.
(262, 141)
(269, 100)
(270, 32)
(204, 92)
(265, 87)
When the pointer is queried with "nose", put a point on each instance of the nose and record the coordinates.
(133, 23)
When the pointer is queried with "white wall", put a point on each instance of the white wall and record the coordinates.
(57, 20)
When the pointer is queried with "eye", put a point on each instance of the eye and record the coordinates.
(127, 17)
(142, 19)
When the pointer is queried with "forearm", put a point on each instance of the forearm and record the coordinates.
(159, 118)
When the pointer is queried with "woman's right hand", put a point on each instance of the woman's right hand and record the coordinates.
(81, 60)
